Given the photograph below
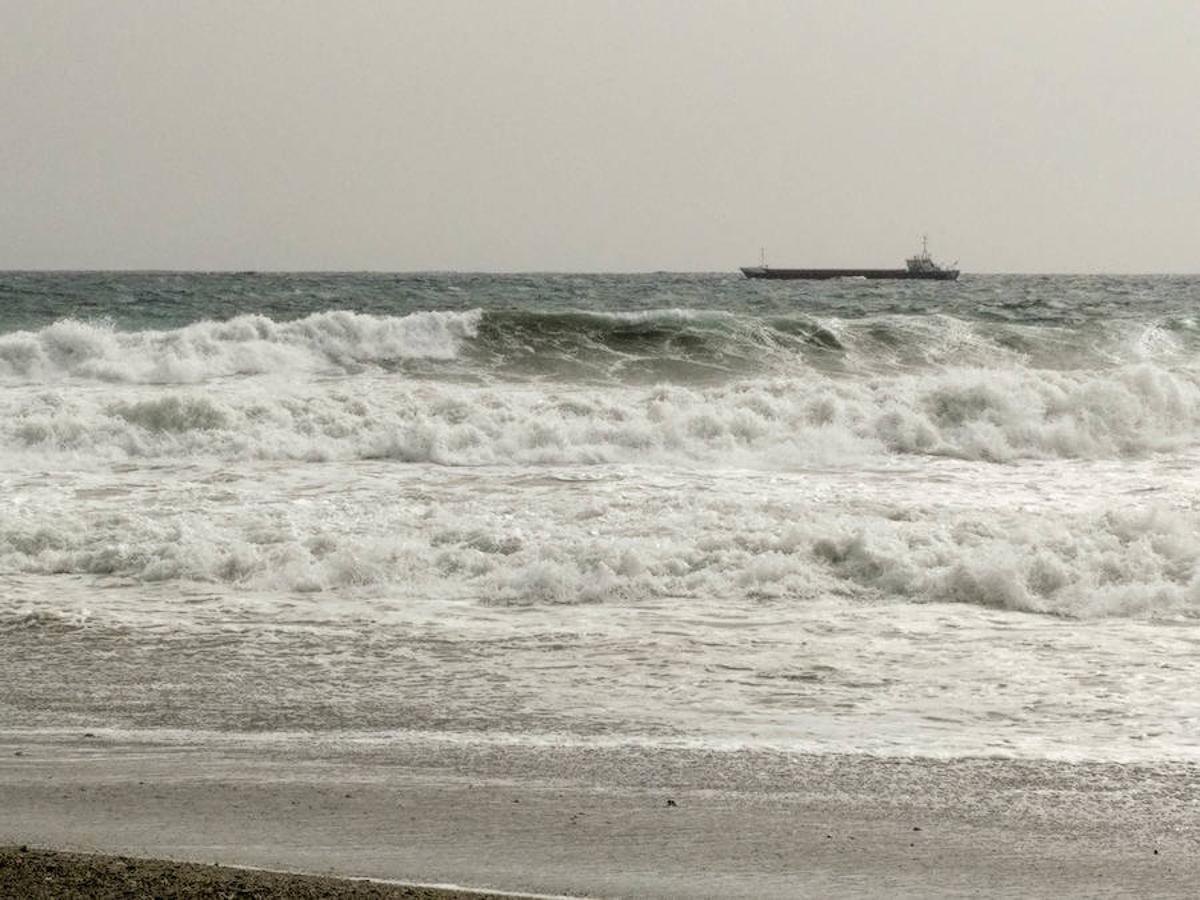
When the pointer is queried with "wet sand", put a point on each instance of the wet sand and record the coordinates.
(616, 821)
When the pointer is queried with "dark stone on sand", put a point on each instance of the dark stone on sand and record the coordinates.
(672, 803)
(55, 875)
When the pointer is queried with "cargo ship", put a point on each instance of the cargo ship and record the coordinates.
(921, 266)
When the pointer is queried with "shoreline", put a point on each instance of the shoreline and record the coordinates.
(619, 821)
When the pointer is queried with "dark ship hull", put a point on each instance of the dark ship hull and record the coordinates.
(873, 274)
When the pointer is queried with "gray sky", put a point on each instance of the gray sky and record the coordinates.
(599, 136)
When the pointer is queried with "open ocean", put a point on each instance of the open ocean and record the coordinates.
(933, 519)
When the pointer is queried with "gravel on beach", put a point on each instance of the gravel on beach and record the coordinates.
(35, 874)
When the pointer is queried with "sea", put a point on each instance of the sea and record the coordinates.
(658, 510)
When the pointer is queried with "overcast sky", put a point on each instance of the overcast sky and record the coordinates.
(628, 135)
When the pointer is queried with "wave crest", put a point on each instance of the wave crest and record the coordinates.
(678, 346)
(1139, 563)
(997, 416)
(245, 345)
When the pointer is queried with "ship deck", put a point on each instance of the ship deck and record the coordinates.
(827, 274)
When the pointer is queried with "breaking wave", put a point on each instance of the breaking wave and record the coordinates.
(680, 346)
(772, 423)
(246, 345)
(1137, 563)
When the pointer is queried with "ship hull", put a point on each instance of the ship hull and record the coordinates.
(827, 274)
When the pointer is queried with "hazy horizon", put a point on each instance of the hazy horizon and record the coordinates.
(518, 272)
(1032, 138)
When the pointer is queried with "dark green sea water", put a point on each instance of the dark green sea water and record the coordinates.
(669, 327)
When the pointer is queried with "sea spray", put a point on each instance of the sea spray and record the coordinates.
(683, 346)
(382, 538)
(246, 345)
(775, 423)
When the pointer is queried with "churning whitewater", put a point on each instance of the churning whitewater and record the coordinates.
(923, 518)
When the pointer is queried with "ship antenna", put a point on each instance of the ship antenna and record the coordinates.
(762, 256)
(925, 244)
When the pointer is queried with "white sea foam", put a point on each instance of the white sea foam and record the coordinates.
(1065, 541)
(785, 423)
(245, 345)
(909, 532)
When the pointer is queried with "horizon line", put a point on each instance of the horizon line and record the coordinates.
(512, 272)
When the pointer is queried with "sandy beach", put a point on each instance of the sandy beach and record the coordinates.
(614, 821)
